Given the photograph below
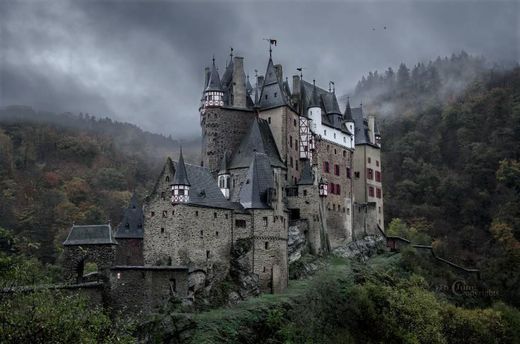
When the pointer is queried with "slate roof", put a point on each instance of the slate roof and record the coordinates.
(254, 192)
(272, 94)
(347, 115)
(259, 139)
(331, 115)
(90, 235)
(362, 136)
(306, 178)
(131, 227)
(214, 79)
(204, 190)
(181, 177)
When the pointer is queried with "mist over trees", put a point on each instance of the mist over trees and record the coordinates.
(407, 90)
(451, 155)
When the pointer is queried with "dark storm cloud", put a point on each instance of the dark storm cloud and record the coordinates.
(143, 61)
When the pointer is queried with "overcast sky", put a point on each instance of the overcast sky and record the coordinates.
(143, 61)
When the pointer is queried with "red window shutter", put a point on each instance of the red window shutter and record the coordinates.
(338, 189)
(371, 191)
(331, 188)
(370, 173)
(378, 176)
(378, 192)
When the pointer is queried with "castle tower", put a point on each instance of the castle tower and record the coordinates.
(181, 184)
(213, 95)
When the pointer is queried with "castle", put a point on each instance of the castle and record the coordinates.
(272, 156)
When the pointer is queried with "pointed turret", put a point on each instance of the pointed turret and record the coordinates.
(273, 93)
(347, 116)
(214, 79)
(213, 93)
(181, 184)
(315, 100)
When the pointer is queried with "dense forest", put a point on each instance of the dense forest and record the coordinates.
(60, 169)
(451, 169)
(451, 161)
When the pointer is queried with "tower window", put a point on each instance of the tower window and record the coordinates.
(305, 192)
(266, 245)
(215, 215)
(294, 122)
(265, 221)
(266, 96)
(167, 178)
(378, 193)
(162, 230)
(152, 213)
(269, 120)
(164, 213)
(202, 234)
(196, 213)
(216, 234)
(371, 191)
(275, 94)
(207, 254)
(370, 173)
(290, 141)
(240, 223)
(369, 160)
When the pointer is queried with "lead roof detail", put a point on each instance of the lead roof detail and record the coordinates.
(90, 235)
(214, 80)
(131, 227)
(259, 179)
(272, 94)
(181, 177)
(259, 139)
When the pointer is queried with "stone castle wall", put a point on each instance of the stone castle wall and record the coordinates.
(143, 289)
(308, 202)
(222, 130)
(129, 252)
(338, 207)
(270, 250)
(75, 257)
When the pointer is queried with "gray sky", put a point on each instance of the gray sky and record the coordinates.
(143, 61)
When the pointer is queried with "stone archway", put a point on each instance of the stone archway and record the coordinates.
(75, 258)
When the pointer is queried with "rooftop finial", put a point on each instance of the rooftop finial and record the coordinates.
(213, 59)
(300, 69)
(231, 53)
(271, 42)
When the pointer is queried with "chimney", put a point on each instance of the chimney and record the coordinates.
(239, 83)
(371, 128)
(296, 85)
(206, 76)
(279, 72)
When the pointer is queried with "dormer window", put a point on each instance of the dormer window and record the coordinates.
(275, 94)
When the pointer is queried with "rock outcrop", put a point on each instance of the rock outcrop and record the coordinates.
(296, 243)
(361, 249)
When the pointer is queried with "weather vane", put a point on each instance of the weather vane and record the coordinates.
(271, 42)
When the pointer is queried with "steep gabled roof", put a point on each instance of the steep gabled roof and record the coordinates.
(273, 93)
(259, 179)
(330, 103)
(132, 224)
(361, 127)
(90, 235)
(306, 178)
(258, 139)
(181, 177)
(214, 79)
(347, 115)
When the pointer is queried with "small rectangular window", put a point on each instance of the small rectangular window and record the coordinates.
(265, 221)
(216, 234)
(207, 254)
(370, 173)
(240, 223)
(336, 170)
(196, 213)
(269, 120)
(266, 245)
(214, 215)
(378, 193)
(371, 191)
(378, 176)
(162, 230)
